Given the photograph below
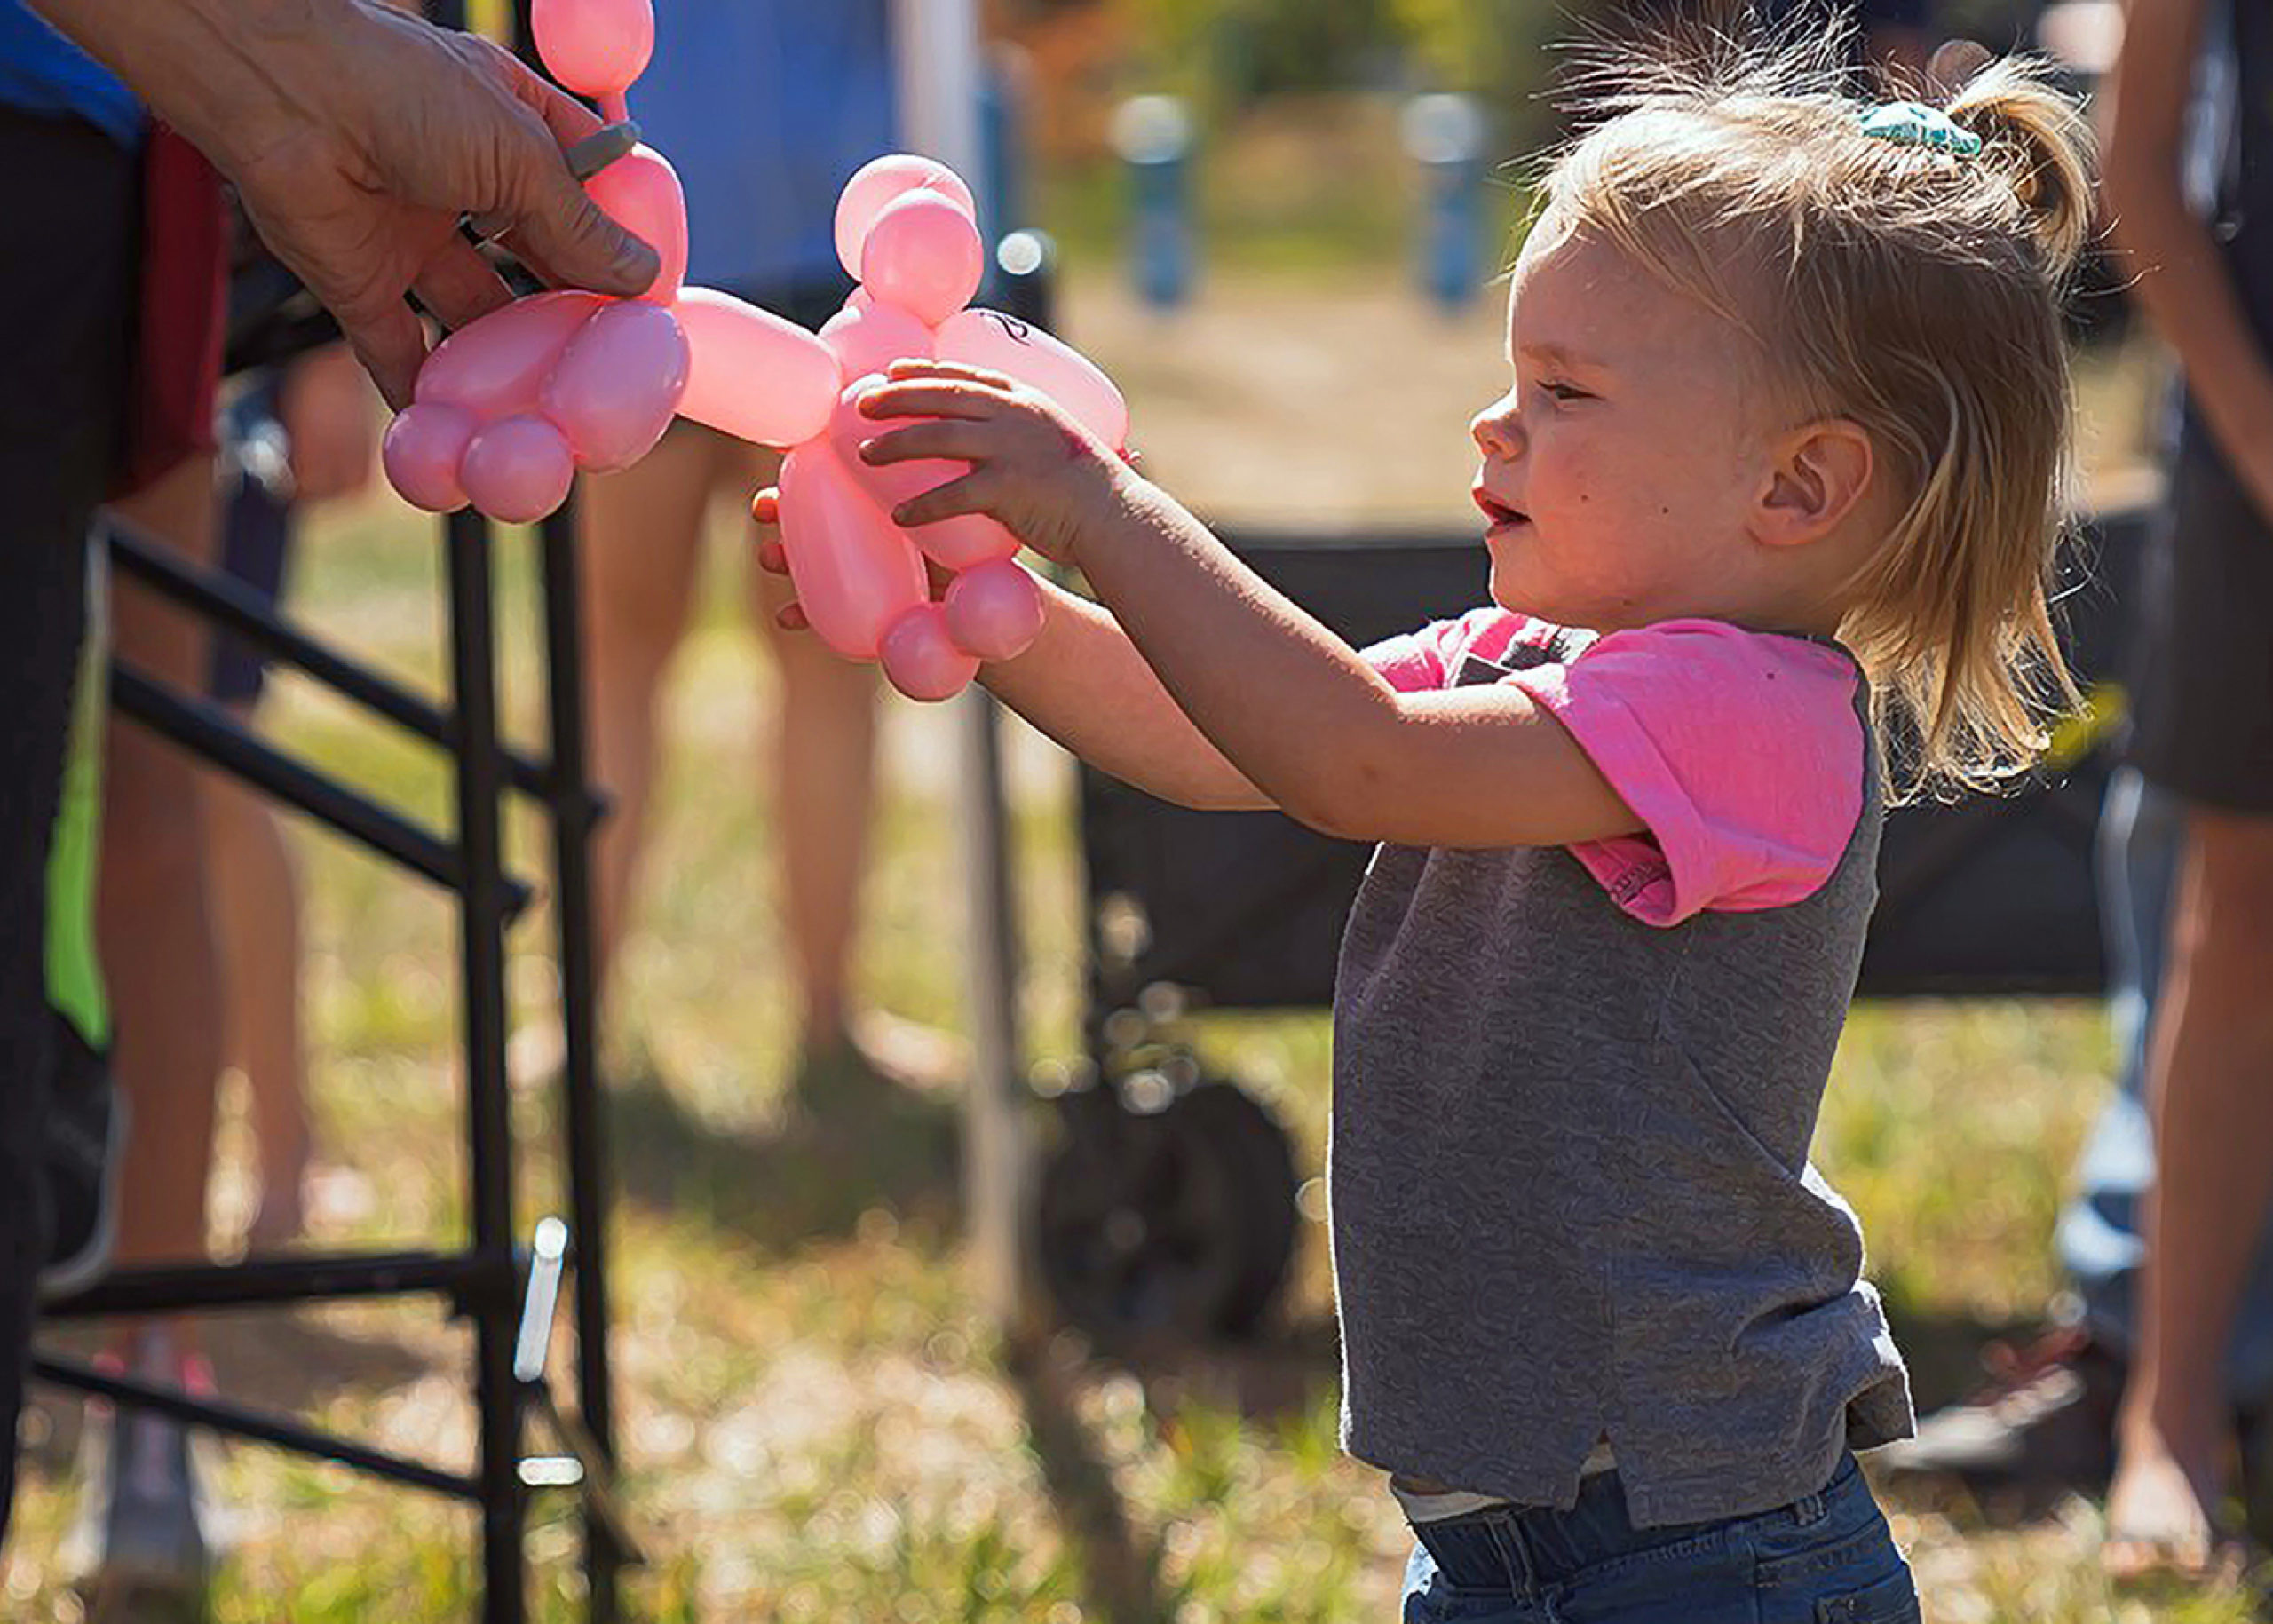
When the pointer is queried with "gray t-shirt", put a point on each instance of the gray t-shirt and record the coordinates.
(1571, 1195)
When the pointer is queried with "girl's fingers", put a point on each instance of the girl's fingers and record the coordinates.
(963, 440)
(792, 618)
(967, 494)
(773, 558)
(948, 398)
(765, 507)
(909, 369)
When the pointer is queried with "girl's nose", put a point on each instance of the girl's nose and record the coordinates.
(1496, 431)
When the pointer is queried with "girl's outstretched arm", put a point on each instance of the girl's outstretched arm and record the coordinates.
(1084, 684)
(1290, 705)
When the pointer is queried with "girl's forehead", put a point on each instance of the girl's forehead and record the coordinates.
(1577, 293)
(1573, 292)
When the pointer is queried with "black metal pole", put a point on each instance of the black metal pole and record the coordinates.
(261, 1282)
(575, 814)
(214, 735)
(480, 781)
(241, 1422)
(575, 817)
(231, 606)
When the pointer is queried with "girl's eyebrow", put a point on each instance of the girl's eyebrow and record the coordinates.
(1556, 355)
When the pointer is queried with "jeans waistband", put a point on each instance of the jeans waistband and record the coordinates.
(1526, 1549)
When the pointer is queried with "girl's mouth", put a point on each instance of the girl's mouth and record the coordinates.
(1495, 510)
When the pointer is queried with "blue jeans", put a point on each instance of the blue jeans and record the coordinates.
(1827, 1558)
(2142, 837)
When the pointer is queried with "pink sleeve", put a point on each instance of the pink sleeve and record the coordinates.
(1414, 660)
(1741, 751)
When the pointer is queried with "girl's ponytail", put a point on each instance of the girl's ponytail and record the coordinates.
(2038, 141)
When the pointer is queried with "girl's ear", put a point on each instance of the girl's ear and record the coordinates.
(1820, 473)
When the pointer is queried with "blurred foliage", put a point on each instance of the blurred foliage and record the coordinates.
(1231, 53)
(1496, 48)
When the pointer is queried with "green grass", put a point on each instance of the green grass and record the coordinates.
(818, 1420)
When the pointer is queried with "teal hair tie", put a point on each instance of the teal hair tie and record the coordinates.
(1913, 123)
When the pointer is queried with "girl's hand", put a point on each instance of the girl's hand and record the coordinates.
(790, 616)
(1046, 479)
(773, 558)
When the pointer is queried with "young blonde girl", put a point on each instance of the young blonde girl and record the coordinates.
(1780, 460)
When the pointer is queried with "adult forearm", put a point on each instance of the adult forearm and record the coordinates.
(1084, 684)
(221, 71)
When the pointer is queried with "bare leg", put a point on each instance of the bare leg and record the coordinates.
(256, 910)
(2212, 1083)
(822, 764)
(641, 532)
(153, 918)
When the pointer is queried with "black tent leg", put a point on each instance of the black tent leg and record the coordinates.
(575, 817)
(482, 927)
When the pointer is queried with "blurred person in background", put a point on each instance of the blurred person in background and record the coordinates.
(766, 108)
(2204, 735)
(300, 435)
(2166, 1363)
(113, 282)
(148, 1528)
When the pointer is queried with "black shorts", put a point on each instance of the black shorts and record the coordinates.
(66, 245)
(2203, 685)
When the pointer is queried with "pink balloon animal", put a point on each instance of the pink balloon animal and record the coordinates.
(506, 409)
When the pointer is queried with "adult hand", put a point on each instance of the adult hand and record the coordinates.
(357, 136)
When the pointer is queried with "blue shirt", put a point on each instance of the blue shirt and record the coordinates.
(765, 107)
(43, 72)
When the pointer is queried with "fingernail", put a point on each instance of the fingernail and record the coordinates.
(636, 262)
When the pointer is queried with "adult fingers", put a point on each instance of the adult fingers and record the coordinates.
(458, 286)
(553, 224)
(568, 120)
(556, 229)
(388, 340)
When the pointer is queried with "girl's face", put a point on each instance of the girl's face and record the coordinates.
(1618, 469)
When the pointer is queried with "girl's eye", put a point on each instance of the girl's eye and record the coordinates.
(1564, 391)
